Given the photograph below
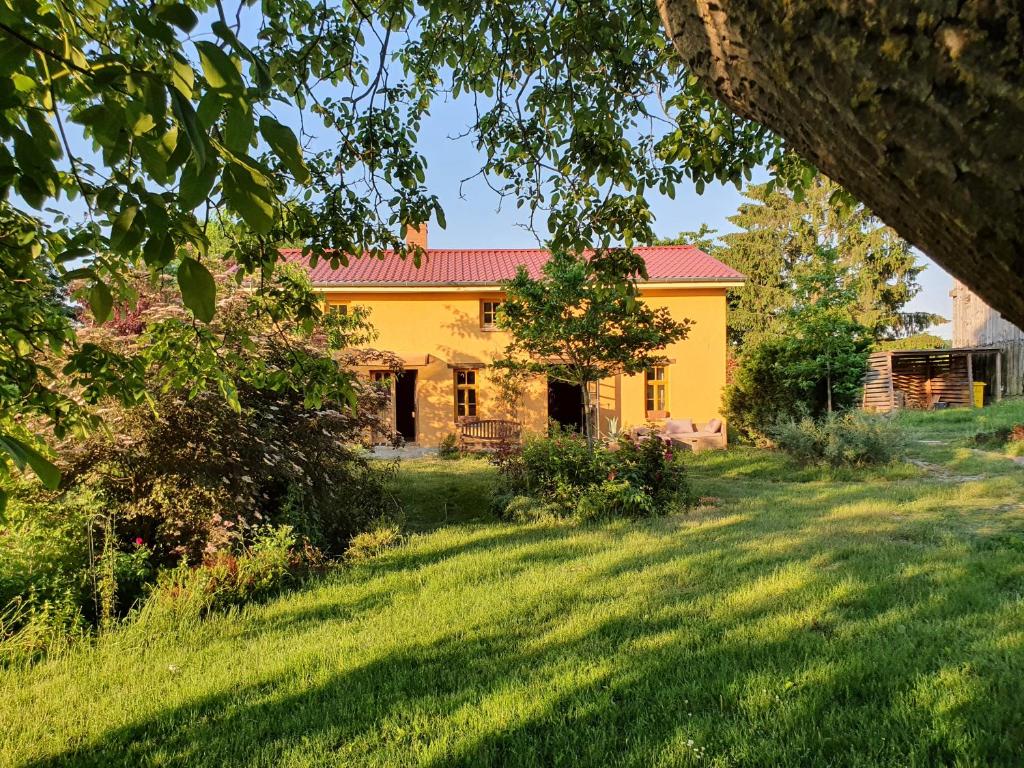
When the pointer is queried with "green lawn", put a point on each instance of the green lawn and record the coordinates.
(864, 620)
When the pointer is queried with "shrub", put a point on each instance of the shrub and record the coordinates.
(271, 562)
(782, 379)
(45, 590)
(251, 420)
(374, 542)
(853, 439)
(449, 447)
(760, 394)
(560, 475)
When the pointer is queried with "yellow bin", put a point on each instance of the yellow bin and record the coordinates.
(979, 394)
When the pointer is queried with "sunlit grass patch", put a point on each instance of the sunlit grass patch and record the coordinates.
(798, 620)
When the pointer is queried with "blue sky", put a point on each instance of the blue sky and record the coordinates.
(474, 220)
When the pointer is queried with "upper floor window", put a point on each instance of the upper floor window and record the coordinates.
(489, 314)
(656, 388)
(465, 393)
(337, 307)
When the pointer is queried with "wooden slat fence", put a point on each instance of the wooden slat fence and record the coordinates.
(916, 380)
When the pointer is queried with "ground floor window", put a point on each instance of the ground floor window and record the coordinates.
(656, 388)
(465, 394)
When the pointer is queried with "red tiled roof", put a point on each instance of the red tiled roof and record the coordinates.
(484, 266)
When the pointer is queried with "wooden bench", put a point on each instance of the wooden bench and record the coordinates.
(488, 434)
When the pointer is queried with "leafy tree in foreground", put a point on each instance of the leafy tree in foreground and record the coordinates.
(582, 321)
(783, 237)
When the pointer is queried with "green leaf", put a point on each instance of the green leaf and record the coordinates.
(23, 83)
(179, 15)
(73, 253)
(128, 229)
(183, 79)
(221, 70)
(238, 128)
(23, 454)
(82, 273)
(284, 144)
(198, 290)
(182, 108)
(101, 301)
(253, 201)
(195, 185)
(158, 250)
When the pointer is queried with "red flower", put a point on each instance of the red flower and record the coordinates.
(138, 541)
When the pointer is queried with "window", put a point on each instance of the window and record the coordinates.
(655, 381)
(465, 394)
(489, 314)
(337, 307)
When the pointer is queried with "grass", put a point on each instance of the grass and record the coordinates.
(795, 619)
(440, 492)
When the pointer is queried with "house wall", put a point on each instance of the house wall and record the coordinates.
(445, 324)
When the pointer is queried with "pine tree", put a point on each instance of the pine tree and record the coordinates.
(780, 241)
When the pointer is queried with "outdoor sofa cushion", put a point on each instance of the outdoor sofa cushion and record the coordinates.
(678, 427)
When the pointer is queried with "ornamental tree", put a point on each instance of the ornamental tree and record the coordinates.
(812, 366)
(583, 320)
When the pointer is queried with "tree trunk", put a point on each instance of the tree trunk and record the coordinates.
(828, 389)
(917, 108)
(587, 428)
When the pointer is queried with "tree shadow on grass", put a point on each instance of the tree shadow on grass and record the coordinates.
(761, 637)
(675, 682)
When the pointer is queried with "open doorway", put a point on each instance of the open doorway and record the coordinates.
(405, 405)
(565, 404)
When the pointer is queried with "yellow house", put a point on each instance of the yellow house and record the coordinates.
(439, 319)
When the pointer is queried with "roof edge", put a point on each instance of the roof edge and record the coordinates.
(724, 282)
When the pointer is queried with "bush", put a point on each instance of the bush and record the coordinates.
(256, 421)
(449, 447)
(853, 439)
(271, 562)
(760, 394)
(779, 380)
(45, 590)
(374, 542)
(560, 475)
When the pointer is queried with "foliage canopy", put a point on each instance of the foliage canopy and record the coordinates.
(300, 120)
(583, 320)
(782, 236)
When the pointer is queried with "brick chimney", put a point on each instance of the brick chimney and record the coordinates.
(416, 235)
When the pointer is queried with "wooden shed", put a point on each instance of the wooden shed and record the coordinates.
(976, 324)
(922, 378)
